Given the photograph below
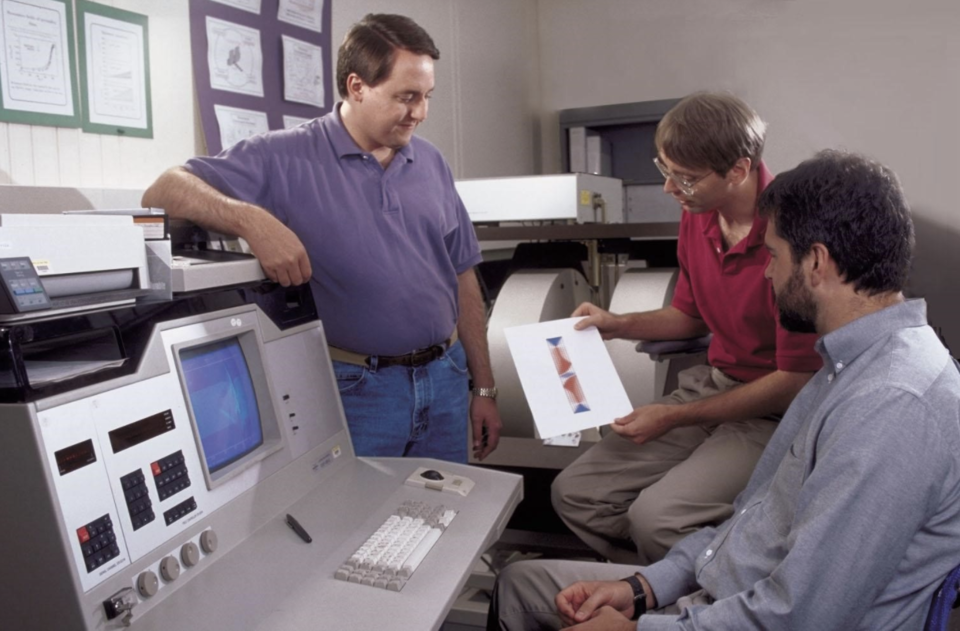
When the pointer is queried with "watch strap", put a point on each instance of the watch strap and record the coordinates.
(639, 596)
(490, 393)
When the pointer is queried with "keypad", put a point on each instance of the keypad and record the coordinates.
(170, 475)
(179, 511)
(98, 542)
(138, 499)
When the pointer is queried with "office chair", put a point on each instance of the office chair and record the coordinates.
(944, 601)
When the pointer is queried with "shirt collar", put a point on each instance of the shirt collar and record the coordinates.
(345, 145)
(839, 348)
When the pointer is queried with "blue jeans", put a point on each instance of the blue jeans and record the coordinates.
(419, 412)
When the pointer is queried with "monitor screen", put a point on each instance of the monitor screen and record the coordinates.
(223, 400)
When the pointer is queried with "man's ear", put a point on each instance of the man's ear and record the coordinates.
(821, 264)
(740, 171)
(355, 87)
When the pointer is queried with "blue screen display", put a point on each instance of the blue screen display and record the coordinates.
(223, 400)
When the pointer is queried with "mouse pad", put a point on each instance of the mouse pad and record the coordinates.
(445, 482)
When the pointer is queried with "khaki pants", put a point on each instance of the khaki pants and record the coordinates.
(632, 503)
(523, 597)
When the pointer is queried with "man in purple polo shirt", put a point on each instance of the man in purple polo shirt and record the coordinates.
(366, 212)
(676, 465)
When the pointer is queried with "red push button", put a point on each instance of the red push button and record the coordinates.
(155, 467)
(83, 534)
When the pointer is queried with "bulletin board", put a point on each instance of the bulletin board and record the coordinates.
(259, 65)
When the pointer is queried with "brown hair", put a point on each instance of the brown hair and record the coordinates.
(711, 130)
(369, 48)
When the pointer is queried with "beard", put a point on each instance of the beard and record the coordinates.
(798, 311)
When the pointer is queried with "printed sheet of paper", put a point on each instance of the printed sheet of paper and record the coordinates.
(116, 72)
(302, 72)
(236, 124)
(234, 57)
(253, 6)
(35, 58)
(305, 13)
(567, 376)
(293, 121)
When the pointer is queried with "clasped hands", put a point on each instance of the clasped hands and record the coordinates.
(596, 606)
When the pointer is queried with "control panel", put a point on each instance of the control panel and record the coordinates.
(20, 287)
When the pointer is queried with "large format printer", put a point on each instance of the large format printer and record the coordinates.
(150, 451)
(542, 220)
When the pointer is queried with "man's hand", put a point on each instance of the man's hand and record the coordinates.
(581, 601)
(281, 254)
(485, 419)
(607, 619)
(607, 323)
(647, 423)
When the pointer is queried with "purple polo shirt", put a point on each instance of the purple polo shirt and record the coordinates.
(386, 246)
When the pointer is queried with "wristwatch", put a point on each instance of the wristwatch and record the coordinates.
(639, 596)
(490, 393)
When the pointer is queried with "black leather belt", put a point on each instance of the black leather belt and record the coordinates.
(410, 360)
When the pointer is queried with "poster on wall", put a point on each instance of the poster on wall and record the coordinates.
(253, 6)
(305, 13)
(114, 71)
(275, 64)
(234, 57)
(236, 124)
(302, 72)
(293, 121)
(38, 83)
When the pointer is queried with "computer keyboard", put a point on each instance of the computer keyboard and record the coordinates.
(390, 555)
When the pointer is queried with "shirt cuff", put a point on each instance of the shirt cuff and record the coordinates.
(667, 580)
(653, 622)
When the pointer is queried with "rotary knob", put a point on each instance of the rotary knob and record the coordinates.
(170, 568)
(208, 541)
(147, 584)
(190, 554)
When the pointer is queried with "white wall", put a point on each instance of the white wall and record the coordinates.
(48, 156)
(880, 77)
(492, 44)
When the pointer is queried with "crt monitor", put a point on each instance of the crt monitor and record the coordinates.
(229, 402)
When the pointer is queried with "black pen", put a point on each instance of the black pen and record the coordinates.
(297, 528)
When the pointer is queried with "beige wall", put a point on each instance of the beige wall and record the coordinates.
(875, 76)
(488, 48)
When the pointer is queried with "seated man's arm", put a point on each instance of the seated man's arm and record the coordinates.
(771, 394)
(878, 474)
(185, 196)
(668, 323)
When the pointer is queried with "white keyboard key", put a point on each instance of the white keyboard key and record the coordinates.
(413, 561)
(391, 554)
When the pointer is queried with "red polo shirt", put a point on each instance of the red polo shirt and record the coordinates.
(728, 291)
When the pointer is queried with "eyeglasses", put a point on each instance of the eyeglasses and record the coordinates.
(683, 183)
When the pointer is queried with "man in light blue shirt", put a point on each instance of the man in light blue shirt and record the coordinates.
(852, 516)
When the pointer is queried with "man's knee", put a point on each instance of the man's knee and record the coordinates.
(517, 593)
(654, 527)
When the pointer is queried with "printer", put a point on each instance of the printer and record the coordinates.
(65, 263)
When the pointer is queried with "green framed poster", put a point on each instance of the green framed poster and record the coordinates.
(114, 71)
(38, 79)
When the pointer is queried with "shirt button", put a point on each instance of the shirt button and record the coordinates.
(839, 365)
(830, 378)
(718, 250)
(743, 511)
(708, 553)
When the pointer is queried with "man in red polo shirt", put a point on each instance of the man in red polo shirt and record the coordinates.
(672, 467)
